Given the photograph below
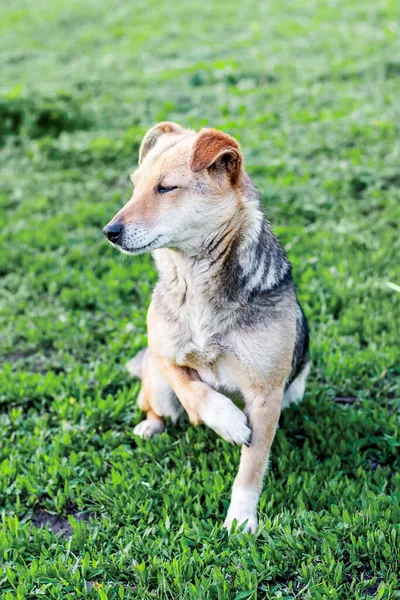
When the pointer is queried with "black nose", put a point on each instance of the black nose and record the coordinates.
(113, 231)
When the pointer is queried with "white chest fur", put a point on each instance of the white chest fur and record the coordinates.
(192, 327)
(195, 332)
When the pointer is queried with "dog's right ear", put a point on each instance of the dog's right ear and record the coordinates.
(152, 136)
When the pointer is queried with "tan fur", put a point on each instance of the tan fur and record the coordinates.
(154, 134)
(186, 359)
(145, 207)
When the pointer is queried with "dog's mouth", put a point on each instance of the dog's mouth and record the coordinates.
(139, 249)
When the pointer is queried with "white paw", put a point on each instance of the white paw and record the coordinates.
(250, 522)
(225, 418)
(243, 510)
(148, 428)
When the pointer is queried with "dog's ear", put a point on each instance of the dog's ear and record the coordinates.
(218, 151)
(151, 137)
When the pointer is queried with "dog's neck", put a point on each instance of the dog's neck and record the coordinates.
(235, 262)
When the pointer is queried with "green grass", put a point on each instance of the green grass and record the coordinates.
(311, 90)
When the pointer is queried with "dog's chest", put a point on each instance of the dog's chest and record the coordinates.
(194, 330)
(196, 334)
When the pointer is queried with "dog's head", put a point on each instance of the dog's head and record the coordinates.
(185, 187)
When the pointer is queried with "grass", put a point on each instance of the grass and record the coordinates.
(311, 91)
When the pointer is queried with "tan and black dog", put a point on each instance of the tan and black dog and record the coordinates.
(224, 318)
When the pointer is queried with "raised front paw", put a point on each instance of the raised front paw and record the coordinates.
(225, 418)
(148, 428)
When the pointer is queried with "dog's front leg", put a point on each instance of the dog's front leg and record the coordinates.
(263, 412)
(205, 405)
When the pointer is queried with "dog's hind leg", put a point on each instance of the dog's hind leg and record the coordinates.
(263, 412)
(296, 389)
(134, 366)
(156, 397)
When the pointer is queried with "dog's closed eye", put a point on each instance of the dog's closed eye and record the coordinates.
(165, 189)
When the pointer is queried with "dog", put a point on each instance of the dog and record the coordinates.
(224, 320)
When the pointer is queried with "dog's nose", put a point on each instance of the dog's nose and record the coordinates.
(113, 231)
